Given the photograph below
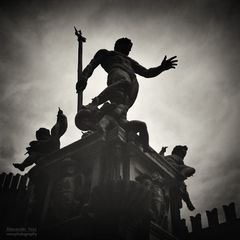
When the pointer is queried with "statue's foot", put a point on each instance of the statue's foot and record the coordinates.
(190, 206)
(19, 166)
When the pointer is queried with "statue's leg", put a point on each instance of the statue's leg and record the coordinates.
(119, 83)
(110, 92)
(27, 162)
(186, 198)
(133, 92)
(141, 128)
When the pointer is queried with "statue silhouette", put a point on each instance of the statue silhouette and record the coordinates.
(46, 142)
(176, 159)
(122, 82)
(110, 115)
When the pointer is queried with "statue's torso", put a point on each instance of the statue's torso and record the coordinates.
(113, 59)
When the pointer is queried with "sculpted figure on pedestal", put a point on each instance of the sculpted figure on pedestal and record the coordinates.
(121, 69)
(46, 142)
(109, 116)
(176, 159)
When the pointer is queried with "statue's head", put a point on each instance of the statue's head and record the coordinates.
(123, 45)
(42, 134)
(180, 151)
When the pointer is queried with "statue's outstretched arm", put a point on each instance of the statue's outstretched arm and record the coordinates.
(155, 71)
(61, 125)
(88, 70)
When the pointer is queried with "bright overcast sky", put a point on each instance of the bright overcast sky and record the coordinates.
(196, 105)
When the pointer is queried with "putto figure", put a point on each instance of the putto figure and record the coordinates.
(176, 159)
(46, 142)
(122, 82)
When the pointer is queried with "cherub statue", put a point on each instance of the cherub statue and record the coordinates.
(176, 159)
(46, 142)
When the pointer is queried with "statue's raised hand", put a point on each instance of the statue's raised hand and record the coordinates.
(60, 112)
(169, 63)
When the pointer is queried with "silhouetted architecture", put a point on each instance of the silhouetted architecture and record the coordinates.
(93, 191)
(87, 190)
(230, 229)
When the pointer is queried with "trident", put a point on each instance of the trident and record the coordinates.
(81, 39)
